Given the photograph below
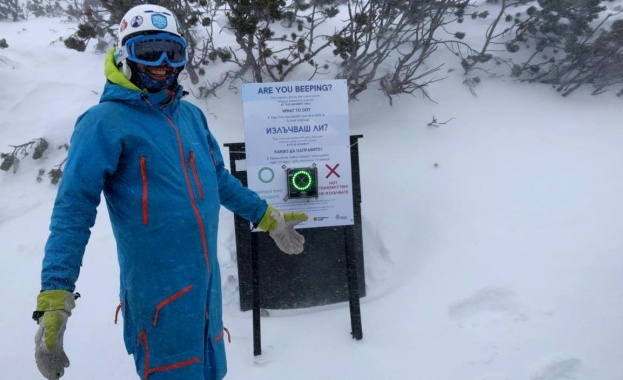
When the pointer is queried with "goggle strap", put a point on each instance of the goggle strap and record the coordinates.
(154, 37)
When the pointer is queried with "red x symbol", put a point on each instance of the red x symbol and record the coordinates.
(332, 170)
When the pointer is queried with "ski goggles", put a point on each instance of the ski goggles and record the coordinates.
(154, 49)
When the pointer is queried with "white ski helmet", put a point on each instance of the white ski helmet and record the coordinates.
(144, 19)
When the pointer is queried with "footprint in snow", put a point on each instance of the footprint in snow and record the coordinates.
(490, 304)
(559, 369)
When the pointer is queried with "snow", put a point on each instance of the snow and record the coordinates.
(492, 242)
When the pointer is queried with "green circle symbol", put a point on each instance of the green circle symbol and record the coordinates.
(266, 169)
(302, 180)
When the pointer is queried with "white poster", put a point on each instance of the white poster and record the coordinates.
(300, 125)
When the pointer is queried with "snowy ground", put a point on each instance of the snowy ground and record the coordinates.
(492, 243)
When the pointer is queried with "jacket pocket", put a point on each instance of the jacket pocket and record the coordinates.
(129, 330)
(193, 168)
(144, 196)
(167, 301)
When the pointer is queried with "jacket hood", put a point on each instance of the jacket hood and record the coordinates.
(114, 75)
(119, 88)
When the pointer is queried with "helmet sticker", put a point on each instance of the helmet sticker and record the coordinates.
(159, 21)
(137, 21)
(123, 25)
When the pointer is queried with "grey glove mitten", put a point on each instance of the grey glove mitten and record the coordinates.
(53, 309)
(280, 226)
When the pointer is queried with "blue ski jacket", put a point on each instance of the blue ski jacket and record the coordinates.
(163, 178)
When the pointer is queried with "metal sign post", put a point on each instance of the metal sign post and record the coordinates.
(353, 287)
(255, 274)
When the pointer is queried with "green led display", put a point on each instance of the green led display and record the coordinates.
(302, 182)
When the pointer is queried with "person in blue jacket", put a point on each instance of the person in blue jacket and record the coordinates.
(164, 180)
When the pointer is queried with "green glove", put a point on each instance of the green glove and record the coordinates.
(280, 226)
(53, 309)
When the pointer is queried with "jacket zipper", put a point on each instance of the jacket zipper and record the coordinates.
(193, 167)
(204, 242)
(145, 192)
(168, 301)
(147, 371)
(193, 203)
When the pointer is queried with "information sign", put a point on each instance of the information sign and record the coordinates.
(297, 148)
